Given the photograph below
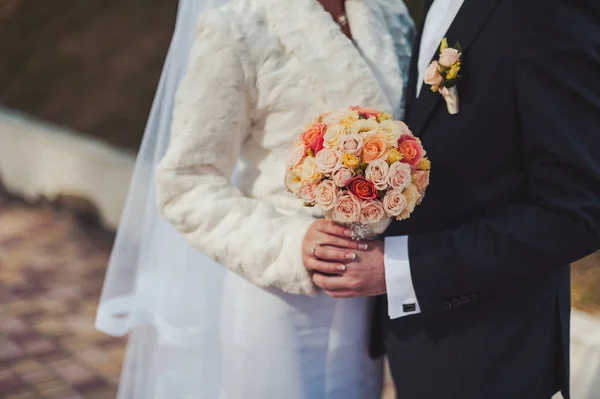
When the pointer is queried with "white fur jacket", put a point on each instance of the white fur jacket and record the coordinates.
(259, 71)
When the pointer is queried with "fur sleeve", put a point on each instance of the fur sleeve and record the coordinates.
(210, 124)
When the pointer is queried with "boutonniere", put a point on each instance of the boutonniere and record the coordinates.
(443, 74)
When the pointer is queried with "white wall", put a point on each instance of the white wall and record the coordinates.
(40, 159)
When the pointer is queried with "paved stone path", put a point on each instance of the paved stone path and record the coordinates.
(51, 273)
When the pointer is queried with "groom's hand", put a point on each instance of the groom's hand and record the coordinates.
(364, 276)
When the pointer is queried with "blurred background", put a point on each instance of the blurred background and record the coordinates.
(77, 81)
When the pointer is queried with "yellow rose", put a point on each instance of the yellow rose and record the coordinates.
(394, 156)
(424, 164)
(412, 196)
(350, 161)
(310, 171)
(384, 116)
(333, 135)
(453, 72)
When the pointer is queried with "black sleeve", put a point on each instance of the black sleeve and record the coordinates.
(558, 89)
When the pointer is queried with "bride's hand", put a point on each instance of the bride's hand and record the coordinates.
(329, 240)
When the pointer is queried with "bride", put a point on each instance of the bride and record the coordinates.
(257, 72)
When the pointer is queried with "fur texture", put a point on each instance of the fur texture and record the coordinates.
(258, 72)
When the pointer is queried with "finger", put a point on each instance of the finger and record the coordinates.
(331, 283)
(332, 228)
(333, 254)
(347, 243)
(319, 266)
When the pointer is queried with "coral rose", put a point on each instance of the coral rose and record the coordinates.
(362, 188)
(346, 209)
(313, 137)
(411, 149)
(366, 112)
(375, 147)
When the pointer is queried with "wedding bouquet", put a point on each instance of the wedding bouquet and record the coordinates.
(360, 167)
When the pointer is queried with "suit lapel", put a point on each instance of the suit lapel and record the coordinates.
(466, 26)
(413, 72)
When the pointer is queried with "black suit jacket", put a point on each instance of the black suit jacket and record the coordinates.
(514, 199)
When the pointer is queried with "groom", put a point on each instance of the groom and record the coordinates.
(477, 281)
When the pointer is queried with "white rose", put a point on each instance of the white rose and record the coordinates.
(293, 181)
(377, 172)
(391, 131)
(308, 193)
(371, 212)
(412, 198)
(364, 127)
(333, 135)
(309, 171)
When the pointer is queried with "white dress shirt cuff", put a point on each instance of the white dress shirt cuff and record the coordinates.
(402, 300)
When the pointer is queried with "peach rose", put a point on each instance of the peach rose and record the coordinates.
(399, 175)
(394, 203)
(364, 127)
(313, 137)
(377, 173)
(346, 209)
(448, 57)
(433, 77)
(411, 149)
(375, 147)
(366, 112)
(371, 212)
(308, 193)
(342, 175)
(391, 131)
(362, 188)
(297, 155)
(293, 180)
(421, 180)
(327, 161)
(326, 194)
(309, 171)
(351, 144)
(412, 198)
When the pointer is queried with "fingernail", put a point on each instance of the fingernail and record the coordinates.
(364, 247)
(351, 256)
(348, 233)
(341, 268)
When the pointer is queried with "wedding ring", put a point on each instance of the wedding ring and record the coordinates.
(313, 249)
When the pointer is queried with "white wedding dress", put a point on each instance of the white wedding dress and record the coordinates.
(258, 71)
